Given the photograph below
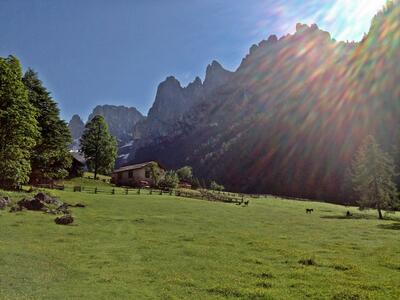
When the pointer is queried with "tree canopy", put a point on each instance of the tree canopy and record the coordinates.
(185, 174)
(98, 146)
(50, 158)
(170, 180)
(372, 176)
(216, 187)
(18, 125)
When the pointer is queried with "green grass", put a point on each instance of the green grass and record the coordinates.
(87, 181)
(164, 247)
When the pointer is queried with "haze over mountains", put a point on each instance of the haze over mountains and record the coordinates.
(288, 121)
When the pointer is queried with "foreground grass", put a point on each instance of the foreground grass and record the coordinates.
(163, 247)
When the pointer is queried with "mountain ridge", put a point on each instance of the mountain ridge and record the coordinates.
(290, 118)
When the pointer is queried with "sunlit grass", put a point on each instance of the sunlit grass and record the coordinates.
(164, 247)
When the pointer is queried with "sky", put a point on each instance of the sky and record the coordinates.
(91, 52)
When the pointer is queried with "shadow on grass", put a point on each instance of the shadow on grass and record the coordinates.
(353, 217)
(356, 216)
(393, 226)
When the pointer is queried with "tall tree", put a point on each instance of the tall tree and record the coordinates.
(50, 158)
(18, 125)
(372, 175)
(98, 146)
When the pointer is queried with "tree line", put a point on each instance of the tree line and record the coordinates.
(34, 140)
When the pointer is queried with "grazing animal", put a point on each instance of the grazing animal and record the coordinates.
(246, 203)
(349, 214)
(309, 210)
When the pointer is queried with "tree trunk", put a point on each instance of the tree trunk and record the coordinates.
(95, 172)
(380, 213)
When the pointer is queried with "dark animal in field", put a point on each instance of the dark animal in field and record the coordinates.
(64, 220)
(246, 203)
(349, 214)
(240, 202)
(309, 210)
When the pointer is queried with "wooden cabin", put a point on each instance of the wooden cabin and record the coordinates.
(138, 174)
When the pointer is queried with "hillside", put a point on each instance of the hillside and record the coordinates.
(291, 117)
(151, 246)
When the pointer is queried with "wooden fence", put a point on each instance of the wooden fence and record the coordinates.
(195, 194)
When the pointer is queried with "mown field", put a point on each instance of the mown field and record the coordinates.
(164, 247)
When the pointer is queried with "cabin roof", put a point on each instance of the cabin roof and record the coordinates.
(136, 167)
(78, 157)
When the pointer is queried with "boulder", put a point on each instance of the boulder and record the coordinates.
(47, 199)
(33, 204)
(63, 208)
(15, 208)
(64, 220)
(4, 202)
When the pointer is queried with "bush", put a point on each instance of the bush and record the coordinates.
(216, 187)
(170, 180)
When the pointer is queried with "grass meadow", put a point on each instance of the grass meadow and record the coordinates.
(165, 247)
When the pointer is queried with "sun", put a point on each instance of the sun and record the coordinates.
(350, 18)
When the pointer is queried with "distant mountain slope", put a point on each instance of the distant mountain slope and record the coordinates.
(120, 119)
(290, 119)
(76, 127)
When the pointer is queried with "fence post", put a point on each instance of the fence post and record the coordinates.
(126, 192)
(160, 192)
(151, 192)
(138, 191)
(113, 191)
(95, 190)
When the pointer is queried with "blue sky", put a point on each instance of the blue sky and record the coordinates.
(91, 52)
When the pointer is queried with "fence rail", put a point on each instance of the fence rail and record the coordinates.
(198, 194)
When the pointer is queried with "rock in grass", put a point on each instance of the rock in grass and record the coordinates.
(33, 204)
(47, 199)
(64, 220)
(308, 261)
(15, 208)
(4, 202)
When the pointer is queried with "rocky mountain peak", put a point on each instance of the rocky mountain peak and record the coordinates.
(121, 120)
(76, 127)
(312, 32)
(216, 76)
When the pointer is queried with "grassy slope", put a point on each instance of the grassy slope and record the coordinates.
(142, 246)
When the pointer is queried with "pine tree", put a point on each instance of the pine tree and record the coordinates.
(50, 158)
(98, 146)
(372, 175)
(18, 125)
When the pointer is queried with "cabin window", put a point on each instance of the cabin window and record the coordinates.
(147, 173)
(130, 174)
